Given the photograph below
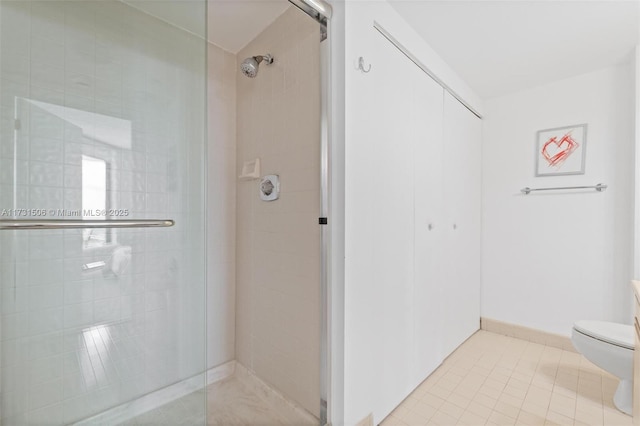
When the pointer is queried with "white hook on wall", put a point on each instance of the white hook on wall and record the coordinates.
(361, 65)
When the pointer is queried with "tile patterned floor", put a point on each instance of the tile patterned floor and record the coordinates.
(498, 380)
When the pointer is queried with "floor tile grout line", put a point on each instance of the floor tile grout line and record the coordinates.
(519, 367)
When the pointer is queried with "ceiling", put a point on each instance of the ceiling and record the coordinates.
(496, 46)
(185, 14)
(499, 47)
(232, 24)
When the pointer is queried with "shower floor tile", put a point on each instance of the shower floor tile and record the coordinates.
(230, 402)
(498, 380)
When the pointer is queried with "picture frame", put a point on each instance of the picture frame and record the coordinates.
(561, 151)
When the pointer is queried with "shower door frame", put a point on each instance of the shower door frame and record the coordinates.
(321, 11)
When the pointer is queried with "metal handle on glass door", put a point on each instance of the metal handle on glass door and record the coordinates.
(28, 224)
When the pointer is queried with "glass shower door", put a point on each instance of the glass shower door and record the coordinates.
(102, 274)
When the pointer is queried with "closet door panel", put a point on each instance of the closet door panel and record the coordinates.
(462, 186)
(406, 131)
(429, 229)
(391, 190)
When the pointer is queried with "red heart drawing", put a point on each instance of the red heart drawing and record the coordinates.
(557, 151)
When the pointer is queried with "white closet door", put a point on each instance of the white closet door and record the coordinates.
(429, 230)
(392, 142)
(406, 137)
(462, 162)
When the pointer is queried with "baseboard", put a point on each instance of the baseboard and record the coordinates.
(525, 333)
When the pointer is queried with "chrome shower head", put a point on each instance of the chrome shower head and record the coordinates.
(249, 66)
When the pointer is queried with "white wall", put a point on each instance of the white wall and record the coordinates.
(550, 259)
(636, 246)
(335, 255)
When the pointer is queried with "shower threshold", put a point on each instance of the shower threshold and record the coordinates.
(234, 396)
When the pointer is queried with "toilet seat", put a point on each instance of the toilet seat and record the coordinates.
(615, 334)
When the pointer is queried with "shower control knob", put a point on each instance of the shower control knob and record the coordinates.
(455, 226)
(430, 226)
(269, 188)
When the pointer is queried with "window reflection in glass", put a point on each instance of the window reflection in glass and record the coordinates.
(94, 199)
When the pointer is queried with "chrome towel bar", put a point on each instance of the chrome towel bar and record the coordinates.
(29, 224)
(599, 187)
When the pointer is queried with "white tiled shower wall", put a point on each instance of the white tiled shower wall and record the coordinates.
(221, 215)
(278, 243)
(74, 342)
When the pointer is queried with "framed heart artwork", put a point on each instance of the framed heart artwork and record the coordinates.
(561, 151)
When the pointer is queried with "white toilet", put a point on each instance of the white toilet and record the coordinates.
(609, 346)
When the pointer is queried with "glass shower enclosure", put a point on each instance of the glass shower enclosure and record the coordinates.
(102, 183)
